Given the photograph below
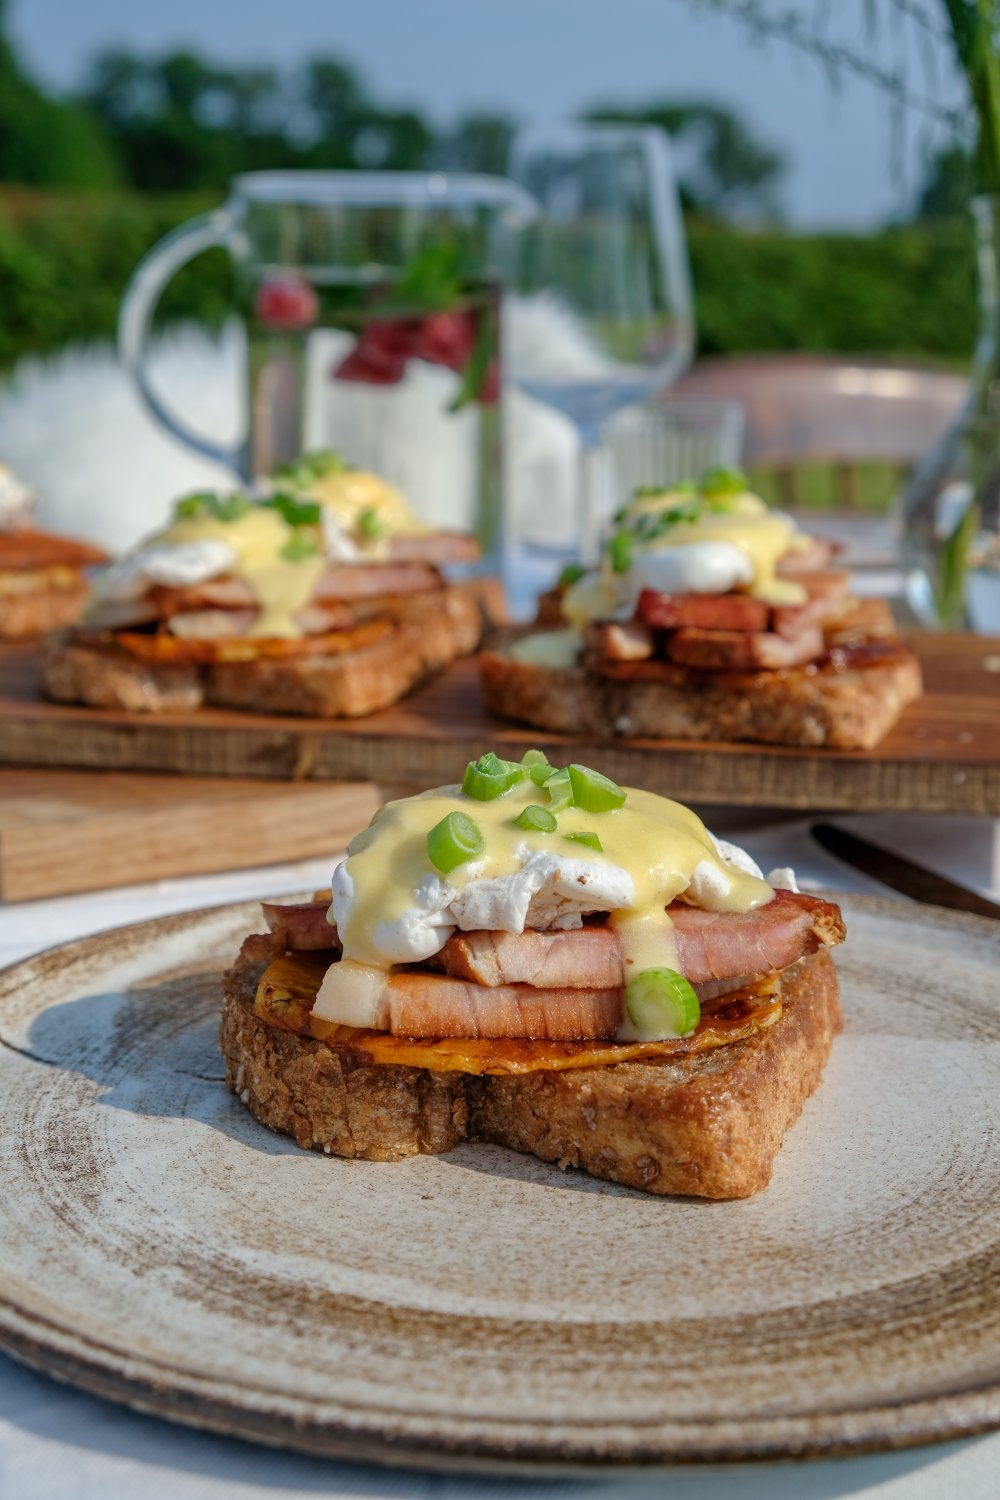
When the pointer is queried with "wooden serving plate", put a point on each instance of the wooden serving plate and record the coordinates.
(943, 755)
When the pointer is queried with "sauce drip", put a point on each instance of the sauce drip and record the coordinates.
(280, 585)
(659, 844)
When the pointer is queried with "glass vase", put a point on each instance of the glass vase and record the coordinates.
(951, 507)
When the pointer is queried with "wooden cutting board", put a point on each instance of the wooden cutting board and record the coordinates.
(943, 755)
(67, 831)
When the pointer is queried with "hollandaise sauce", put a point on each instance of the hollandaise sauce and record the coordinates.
(761, 536)
(629, 860)
(364, 504)
(281, 577)
(684, 542)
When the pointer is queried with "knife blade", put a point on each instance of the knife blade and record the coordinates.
(899, 873)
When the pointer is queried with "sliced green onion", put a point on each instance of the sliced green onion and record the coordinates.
(535, 819)
(661, 1003)
(309, 466)
(232, 507)
(205, 503)
(299, 547)
(571, 573)
(537, 765)
(594, 792)
(620, 551)
(193, 505)
(370, 524)
(490, 777)
(559, 789)
(722, 482)
(590, 839)
(453, 841)
(295, 512)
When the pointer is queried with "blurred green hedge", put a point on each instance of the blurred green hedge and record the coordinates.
(909, 292)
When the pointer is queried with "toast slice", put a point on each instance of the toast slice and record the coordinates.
(428, 630)
(707, 1125)
(42, 584)
(849, 702)
(52, 604)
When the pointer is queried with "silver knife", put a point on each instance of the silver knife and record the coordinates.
(899, 873)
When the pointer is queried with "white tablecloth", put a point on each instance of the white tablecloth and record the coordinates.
(58, 1444)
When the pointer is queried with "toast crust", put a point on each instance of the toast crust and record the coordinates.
(849, 709)
(706, 1126)
(430, 630)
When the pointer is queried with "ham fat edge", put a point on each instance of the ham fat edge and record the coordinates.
(499, 1002)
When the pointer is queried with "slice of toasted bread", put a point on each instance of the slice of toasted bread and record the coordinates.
(428, 631)
(708, 1125)
(841, 705)
(27, 612)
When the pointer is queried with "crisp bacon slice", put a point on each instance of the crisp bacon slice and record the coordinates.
(40, 549)
(288, 988)
(702, 611)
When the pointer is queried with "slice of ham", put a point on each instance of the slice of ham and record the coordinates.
(704, 611)
(436, 547)
(349, 581)
(211, 624)
(303, 926)
(614, 642)
(422, 1004)
(831, 584)
(743, 650)
(810, 558)
(587, 956)
(711, 946)
(723, 945)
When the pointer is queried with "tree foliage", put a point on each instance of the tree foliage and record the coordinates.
(44, 141)
(723, 168)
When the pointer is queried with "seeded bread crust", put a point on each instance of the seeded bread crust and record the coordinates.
(706, 1126)
(432, 629)
(849, 710)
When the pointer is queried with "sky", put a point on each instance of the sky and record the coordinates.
(543, 60)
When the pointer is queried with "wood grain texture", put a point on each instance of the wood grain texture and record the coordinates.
(67, 831)
(943, 755)
(483, 1309)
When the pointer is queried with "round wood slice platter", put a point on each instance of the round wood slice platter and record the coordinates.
(482, 1309)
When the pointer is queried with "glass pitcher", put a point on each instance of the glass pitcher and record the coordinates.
(371, 307)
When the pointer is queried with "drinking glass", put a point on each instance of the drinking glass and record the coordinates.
(600, 316)
(371, 305)
(670, 442)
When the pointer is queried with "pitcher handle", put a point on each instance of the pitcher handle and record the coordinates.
(204, 232)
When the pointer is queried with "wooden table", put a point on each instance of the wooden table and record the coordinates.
(943, 756)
